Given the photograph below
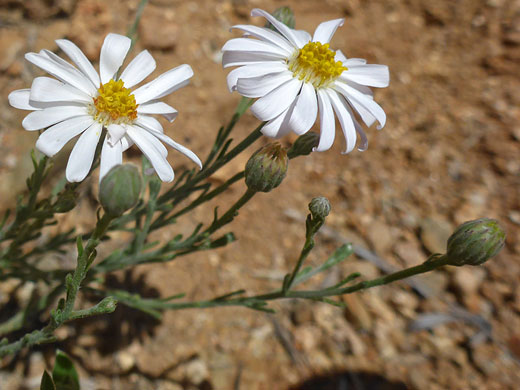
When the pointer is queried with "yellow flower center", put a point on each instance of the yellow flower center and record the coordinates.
(315, 63)
(114, 104)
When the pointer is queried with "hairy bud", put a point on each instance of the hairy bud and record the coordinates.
(319, 208)
(304, 144)
(284, 15)
(475, 242)
(120, 189)
(66, 200)
(267, 168)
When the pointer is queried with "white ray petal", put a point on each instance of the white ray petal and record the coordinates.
(254, 87)
(279, 126)
(52, 140)
(287, 32)
(345, 119)
(178, 147)
(238, 58)
(267, 35)
(255, 45)
(153, 140)
(163, 85)
(115, 133)
(149, 122)
(158, 161)
(157, 107)
(69, 75)
(327, 122)
(82, 155)
(45, 89)
(326, 30)
(305, 111)
(254, 70)
(357, 98)
(303, 36)
(81, 61)
(20, 99)
(41, 119)
(113, 53)
(111, 155)
(137, 70)
(372, 75)
(276, 101)
(126, 143)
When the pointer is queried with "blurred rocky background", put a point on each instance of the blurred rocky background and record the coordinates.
(449, 153)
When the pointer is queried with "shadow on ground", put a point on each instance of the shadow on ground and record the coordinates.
(349, 380)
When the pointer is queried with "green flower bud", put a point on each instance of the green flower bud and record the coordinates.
(120, 189)
(304, 144)
(66, 201)
(475, 242)
(319, 208)
(267, 168)
(107, 305)
(284, 15)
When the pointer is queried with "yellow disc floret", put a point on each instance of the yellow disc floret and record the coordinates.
(114, 104)
(315, 63)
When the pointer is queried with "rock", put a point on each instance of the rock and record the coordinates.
(12, 43)
(165, 385)
(301, 313)
(380, 237)
(92, 21)
(125, 360)
(435, 234)
(356, 312)
(486, 359)
(406, 303)
(153, 37)
(468, 280)
(222, 370)
(307, 338)
(196, 371)
(39, 10)
(410, 252)
(48, 34)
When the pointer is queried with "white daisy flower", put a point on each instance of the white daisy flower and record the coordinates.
(295, 76)
(81, 101)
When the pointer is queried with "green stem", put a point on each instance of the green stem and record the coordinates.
(229, 215)
(84, 260)
(307, 248)
(73, 283)
(259, 302)
(132, 31)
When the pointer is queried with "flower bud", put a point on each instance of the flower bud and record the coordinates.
(284, 15)
(66, 201)
(267, 168)
(304, 144)
(319, 208)
(475, 242)
(120, 189)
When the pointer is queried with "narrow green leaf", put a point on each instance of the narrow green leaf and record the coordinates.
(47, 383)
(64, 373)
(229, 295)
(304, 271)
(79, 244)
(223, 241)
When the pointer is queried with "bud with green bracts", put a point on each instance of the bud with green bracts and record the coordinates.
(319, 208)
(66, 200)
(304, 144)
(267, 168)
(120, 189)
(284, 15)
(475, 242)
